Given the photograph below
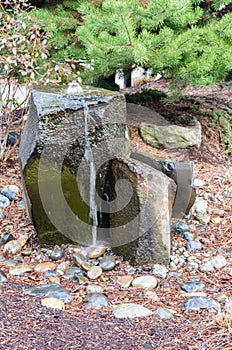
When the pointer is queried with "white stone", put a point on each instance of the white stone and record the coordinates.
(199, 183)
(53, 303)
(159, 270)
(145, 282)
(200, 206)
(12, 247)
(219, 261)
(207, 267)
(14, 188)
(131, 310)
(20, 270)
(94, 288)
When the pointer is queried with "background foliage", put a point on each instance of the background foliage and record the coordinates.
(186, 40)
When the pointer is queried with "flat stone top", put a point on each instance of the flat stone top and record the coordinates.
(87, 91)
(50, 99)
(137, 114)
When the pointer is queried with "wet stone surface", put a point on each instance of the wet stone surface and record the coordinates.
(72, 273)
(78, 259)
(108, 263)
(56, 254)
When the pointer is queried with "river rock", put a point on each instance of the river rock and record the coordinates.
(93, 261)
(145, 282)
(194, 245)
(216, 211)
(44, 267)
(159, 270)
(192, 286)
(7, 237)
(96, 252)
(7, 192)
(62, 267)
(95, 300)
(21, 205)
(140, 218)
(171, 136)
(55, 173)
(202, 218)
(51, 273)
(199, 183)
(12, 247)
(53, 290)
(20, 270)
(78, 259)
(82, 279)
(94, 288)
(94, 272)
(87, 265)
(2, 215)
(200, 206)
(197, 303)
(163, 314)
(125, 281)
(179, 227)
(4, 201)
(11, 262)
(56, 254)
(108, 262)
(131, 310)
(72, 273)
(3, 277)
(150, 294)
(219, 261)
(13, 188)
(188, 236)
(53, 303)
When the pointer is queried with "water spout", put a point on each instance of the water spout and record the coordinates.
(74, 88)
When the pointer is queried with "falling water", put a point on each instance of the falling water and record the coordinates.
(92, 185)
(75, 88)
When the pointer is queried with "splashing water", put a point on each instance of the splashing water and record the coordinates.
(92, 185)
(74, 88)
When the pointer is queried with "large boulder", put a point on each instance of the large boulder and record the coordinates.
(172, 136)
(137, 114)
(140, 217)
(62, 134)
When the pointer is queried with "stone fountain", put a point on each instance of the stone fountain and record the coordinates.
(82, 185)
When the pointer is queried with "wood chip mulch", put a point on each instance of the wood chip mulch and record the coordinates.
(26, 324)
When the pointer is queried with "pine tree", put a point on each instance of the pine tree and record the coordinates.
(184, 39)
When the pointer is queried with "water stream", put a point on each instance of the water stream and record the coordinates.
(88, 156)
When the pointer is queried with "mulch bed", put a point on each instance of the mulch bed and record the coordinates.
(26, 324)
